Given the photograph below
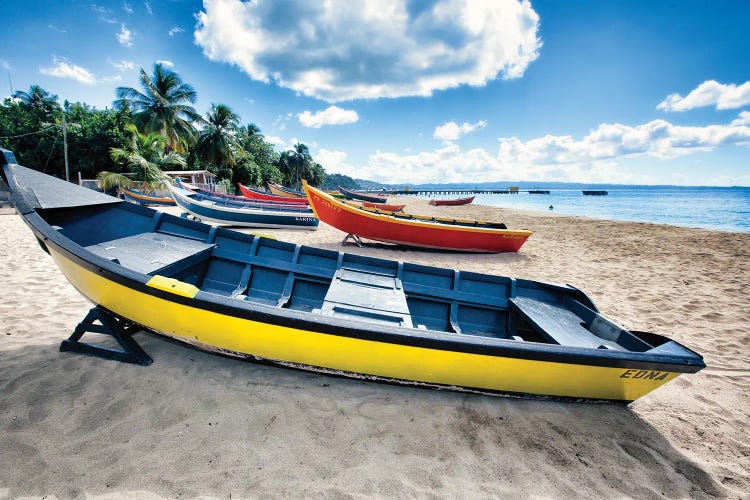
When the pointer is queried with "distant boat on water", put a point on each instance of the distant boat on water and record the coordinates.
(595, 193)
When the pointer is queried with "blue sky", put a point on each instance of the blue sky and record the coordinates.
(443, 91)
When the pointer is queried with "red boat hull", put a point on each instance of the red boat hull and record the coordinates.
(420, 231)
(251, 194)
(383, 206)
(459, 201)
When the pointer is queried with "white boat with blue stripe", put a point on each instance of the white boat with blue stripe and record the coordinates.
(230, 214)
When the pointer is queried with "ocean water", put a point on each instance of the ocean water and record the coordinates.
(724, 209)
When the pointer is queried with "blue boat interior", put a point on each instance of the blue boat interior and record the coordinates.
(377, 292)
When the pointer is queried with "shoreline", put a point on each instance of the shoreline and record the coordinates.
(735, 228)
(197, 424)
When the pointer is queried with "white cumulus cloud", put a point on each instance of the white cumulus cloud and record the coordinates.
(175, 30)
(125, 36)
(121, 65)
(330, 159)
(709, 93)
(594, 157)
(165, 62)
(61, 68)
(451, 131)
(276, 141)
(332, 115)
(340, 50)
(743, 119)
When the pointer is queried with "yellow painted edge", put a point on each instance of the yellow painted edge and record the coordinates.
(172, 285)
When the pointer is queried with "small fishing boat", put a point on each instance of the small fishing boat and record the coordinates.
(254, 194)
(240, 201)
(228, 213)
(353, 195)
(414, 230)
(345, 314)
(457, 201)
(383, 206)
(280, 190)
(595, 193)
(335, 194)
(135, 196)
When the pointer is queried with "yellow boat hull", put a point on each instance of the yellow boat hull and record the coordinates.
(406, 363)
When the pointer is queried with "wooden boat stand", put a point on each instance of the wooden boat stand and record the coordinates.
(118, 328)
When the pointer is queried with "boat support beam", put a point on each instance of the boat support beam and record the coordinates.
(353, 237)
(108, 324)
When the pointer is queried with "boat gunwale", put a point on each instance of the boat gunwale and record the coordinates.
(300, 320)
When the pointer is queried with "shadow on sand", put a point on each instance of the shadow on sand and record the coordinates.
(195, 423)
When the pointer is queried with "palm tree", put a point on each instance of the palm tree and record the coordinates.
(217, 142)
(164, 106)
(301, 161)
(145, 156)
(37, 98)
(251, 130)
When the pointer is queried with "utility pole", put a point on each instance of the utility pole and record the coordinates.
(65, 147)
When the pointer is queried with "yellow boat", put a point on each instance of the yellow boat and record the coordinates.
(294, 305)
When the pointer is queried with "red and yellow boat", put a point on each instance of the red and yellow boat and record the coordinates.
(279, 190)
(383, 206)
(414, 230)
(252, 194)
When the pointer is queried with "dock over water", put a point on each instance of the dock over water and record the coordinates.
(444, 191)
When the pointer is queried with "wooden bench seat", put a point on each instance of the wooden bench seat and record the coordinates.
(153, 253)
(558, 324)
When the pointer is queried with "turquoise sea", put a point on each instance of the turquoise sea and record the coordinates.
(725, 209)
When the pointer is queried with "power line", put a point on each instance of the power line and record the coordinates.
(29, 133)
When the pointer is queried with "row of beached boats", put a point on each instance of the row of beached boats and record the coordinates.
(361, 216)
(300, 306)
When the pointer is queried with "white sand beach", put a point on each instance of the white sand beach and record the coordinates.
(195, 424)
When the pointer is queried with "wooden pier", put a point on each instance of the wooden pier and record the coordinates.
(430, 192)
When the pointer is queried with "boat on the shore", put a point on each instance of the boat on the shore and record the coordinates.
(345, 314)
(254, 194)
(414, 230)
(353, 195)
(135, 196)
(233, 200)
(229, 213)
(454, 202)
(280, 190)
(383, 206)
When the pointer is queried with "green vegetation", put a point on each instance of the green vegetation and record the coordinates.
(149, 130)
(146, 156)
(333, 181)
